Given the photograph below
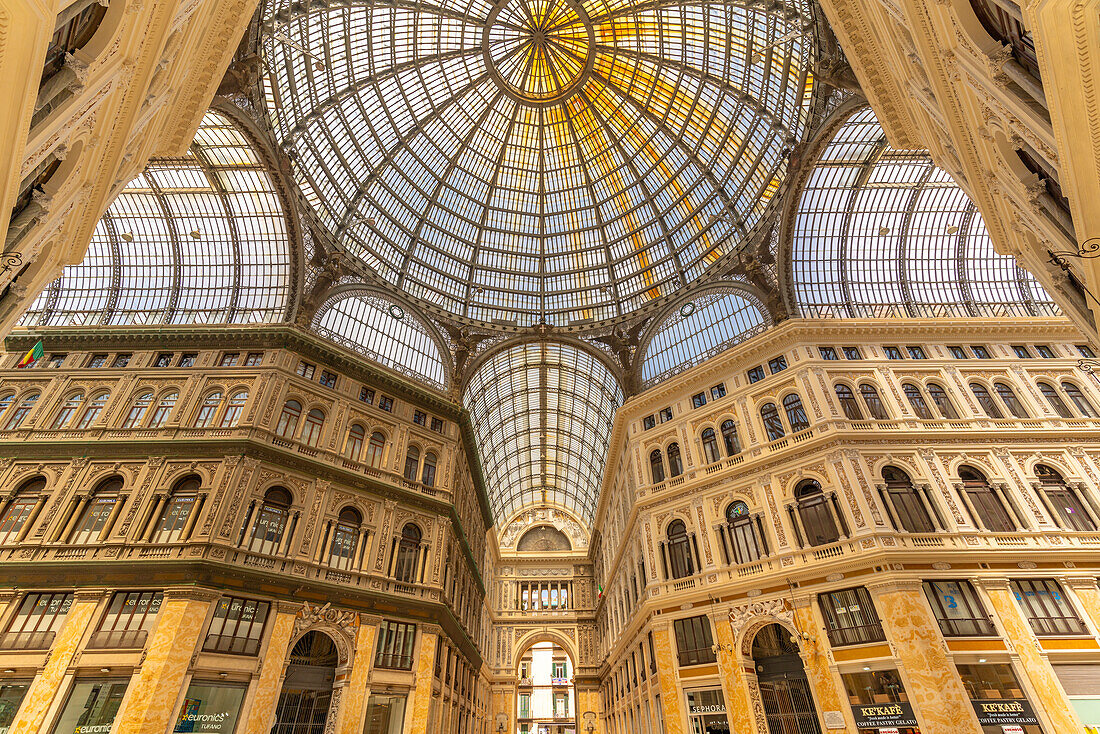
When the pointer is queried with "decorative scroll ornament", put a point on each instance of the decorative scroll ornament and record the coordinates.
(309, 616)
(776, 608)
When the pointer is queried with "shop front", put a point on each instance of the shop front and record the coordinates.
(999, 700)
(707, 711)
(92, 706)
(879, 702)
(210, 708)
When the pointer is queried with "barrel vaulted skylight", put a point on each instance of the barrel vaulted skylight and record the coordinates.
(884, 232)
(542, 415)
(538, 159)
(199, 239)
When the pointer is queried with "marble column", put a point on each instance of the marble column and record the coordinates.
(261, 712)
(824, 681)
(669, 681)
(735, 688)
(421, 699)
(588, 700)
(155, 687)
(354, 706)
(40, 695)
(1088, 593)
(931, 680)
(1047, 694)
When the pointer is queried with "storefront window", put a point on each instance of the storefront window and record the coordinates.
(11, 695)
(998, 699)
(879, 702)
(707, 712)
(211, 708)
(385, 715)
(91, 707)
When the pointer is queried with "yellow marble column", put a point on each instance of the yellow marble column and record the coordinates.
(815, 656)
(420, 705)
(669, 681)
(47, 684)
(155, 687)
(932, 681)
(588, 699)
(354, 706)
(1088, 593)
(735, 688)
(1048, 693)
(261, 712)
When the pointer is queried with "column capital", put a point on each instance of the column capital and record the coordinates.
(887, 586)
(430, 628)
(998, 583)
(369, 620)
(85, 595)
(191, 593)
(1080, 582)
(288, 607)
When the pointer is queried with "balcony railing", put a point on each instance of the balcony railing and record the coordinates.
(118, 640)
(27, 640)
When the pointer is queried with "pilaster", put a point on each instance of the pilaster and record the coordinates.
(669, 681)
(261, 713)
(354, 707)
(819, 668)
(421, 699)
(735, 688)
(1088, 593)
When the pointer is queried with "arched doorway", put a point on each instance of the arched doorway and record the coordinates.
(307, 688)
(546, 700)
(784, 688)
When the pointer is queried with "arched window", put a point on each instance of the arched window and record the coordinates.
(773, 424)
(95, 407)
(1008, 29)
(427, 473)
(20, 412)
(375, 449)
(907, 503)
(175, 517)
(163, 409)
(1054, 399)
(408, 554)
(710, 446)
(744, 543)
(353, 444)
(987, 505)
(20, 508)
(412, 463)
(680, 564)
(345, 537)
(729, 438)
(93, 521)
(675, 463)
(848, 403)
(985, 400)
(1062, 500)
(208, 410)
(1080, 400)
(311, 430)
(796, 414)
(656, 466)
(943, 402)
(288, 419)
(814, 512)
(1011, 401)
(138, 409)
(68, 410)
(917, 401)
(875, 406)
(271, 521)
(234, 408)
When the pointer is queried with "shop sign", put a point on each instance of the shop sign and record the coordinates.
(878, 715)
(1002, 711)
(714, 708)
(1012, 729)
(889, 730)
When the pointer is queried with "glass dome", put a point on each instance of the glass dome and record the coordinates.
(538, 159)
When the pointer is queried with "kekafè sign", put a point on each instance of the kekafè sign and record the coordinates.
(1002, 711)
(879, 715)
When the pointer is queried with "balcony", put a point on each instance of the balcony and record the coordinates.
(118, 640)
(27, 640)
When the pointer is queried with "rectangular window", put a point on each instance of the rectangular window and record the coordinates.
(437, 424)
(852, 353)
(328, 379)
(1047, 609)
(916, 352)
(958, 609)
(97, 360)
(850, 617)
(666, 414)
(1086, 351)
(1021, 351)
(163, 360)
(187, 359)
(91, 706)
(121, 360)
(698, 400)
(254, 359)
(15, 516)
(306, 370)
(525, 705)
(756, 374)
(957, 352)
(718, 391)
(828, 353)
(11, 695)
(998, 699)
(649, 422)
(385, 403)
(979, 351)
(39, 617)
(129, 617)
(366, 395)
(693, 640)
(420, 418)
(777, 364)
(1045, 351)
(395, 645)
(893, 353)
(385, 714)
(229, 359)
(56, 360)
(237, 626)
(211, 708)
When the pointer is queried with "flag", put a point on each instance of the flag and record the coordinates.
(32, 356)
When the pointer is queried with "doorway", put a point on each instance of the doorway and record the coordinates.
(307, 689)
(784, 688)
